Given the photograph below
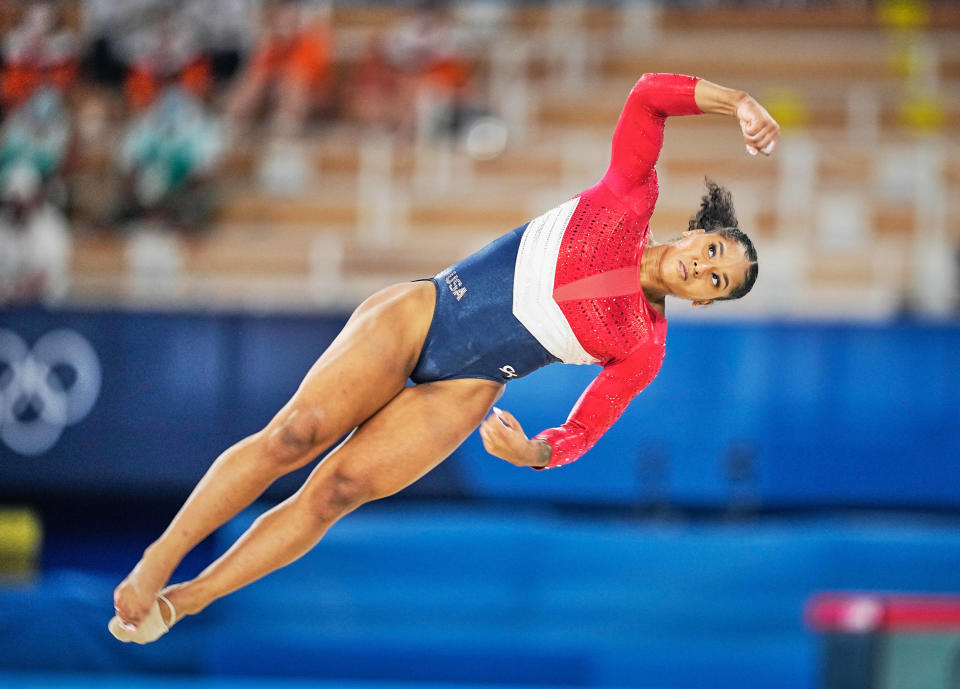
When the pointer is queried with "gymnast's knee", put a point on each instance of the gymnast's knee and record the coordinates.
(294, 437)
(338, 492)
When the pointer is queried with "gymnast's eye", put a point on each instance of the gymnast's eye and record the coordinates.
(716, 280)
(712, 251)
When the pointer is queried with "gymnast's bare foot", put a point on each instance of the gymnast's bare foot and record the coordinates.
(187, 598)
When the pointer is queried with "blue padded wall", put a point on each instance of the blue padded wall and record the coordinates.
(742, 415)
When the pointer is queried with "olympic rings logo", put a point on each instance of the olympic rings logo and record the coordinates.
(45, 389)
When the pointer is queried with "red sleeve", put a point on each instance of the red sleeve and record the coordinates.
(638, 137)
(601, 404)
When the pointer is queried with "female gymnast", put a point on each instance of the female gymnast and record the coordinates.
(580, 284)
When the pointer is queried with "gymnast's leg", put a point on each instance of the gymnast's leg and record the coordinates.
(363, 369)
(403, 441)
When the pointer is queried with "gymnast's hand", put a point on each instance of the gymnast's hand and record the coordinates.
(504, 438)
(760, 131)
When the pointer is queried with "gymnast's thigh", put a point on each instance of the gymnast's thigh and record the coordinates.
(411, 435)
(365, 367)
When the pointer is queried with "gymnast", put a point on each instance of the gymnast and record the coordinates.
(580, 284)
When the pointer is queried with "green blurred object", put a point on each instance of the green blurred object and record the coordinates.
(887, 641)
(891, 660)
(919, 661)
(21, 537)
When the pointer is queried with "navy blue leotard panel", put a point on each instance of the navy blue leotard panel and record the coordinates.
(474, 333)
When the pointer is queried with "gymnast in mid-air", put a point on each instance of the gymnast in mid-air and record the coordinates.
(581, 284)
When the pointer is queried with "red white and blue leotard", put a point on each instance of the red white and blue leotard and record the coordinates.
(554, 274)
(603, 229)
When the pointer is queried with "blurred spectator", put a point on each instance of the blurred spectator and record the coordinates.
(40, 51)
(167, 156)
(166, 51)
(227, 29)
(108, 27)
(289, 75)
(145, 45)
(35, 242)
(373, 93)
(36, 137)
(418, 64)
(118, 33)
(426, 47)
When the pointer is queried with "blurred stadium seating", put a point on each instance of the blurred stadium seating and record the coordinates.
(868, 113)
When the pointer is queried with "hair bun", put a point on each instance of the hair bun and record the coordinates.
(716, 209)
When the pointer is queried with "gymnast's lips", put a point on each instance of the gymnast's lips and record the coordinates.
(682, 270)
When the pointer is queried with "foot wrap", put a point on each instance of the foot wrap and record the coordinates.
(150, 629)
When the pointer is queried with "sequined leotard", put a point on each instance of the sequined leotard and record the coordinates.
(608, 230)
(562, 310)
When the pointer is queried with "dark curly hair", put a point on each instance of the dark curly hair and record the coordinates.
(716, 214)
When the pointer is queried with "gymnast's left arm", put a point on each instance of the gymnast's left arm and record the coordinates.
(638, 136)
(503, 437)
(600, 405)
(760, 130)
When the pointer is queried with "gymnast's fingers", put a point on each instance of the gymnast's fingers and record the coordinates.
(490, 434)
(752, 129)
(752, 138)
(485, 433)
(761, 129)
(760, 134)
(769, 141)
(763, 142)
(509, 420)
(492, 426)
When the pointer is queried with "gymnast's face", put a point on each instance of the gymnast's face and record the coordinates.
(703, 266)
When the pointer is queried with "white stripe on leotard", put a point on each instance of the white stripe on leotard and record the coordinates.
(533, 279)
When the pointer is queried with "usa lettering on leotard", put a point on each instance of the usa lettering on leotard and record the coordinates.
(456, 285)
